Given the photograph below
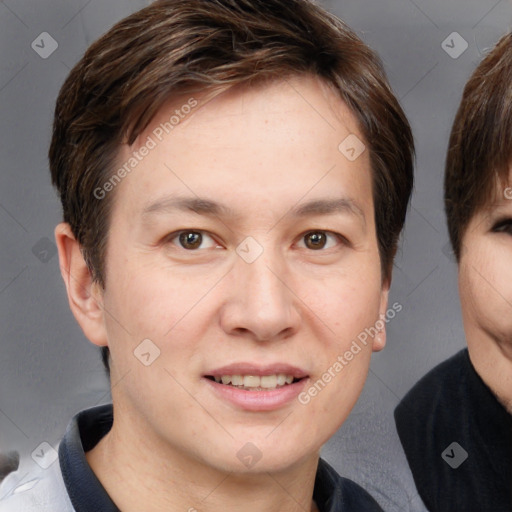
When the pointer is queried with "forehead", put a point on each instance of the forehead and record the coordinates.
(281, 141)
(500, 192)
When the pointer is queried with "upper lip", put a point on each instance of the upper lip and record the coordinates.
(258, 370)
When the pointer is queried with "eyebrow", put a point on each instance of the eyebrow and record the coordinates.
(329, 207)
(203, 206)
(197, 205)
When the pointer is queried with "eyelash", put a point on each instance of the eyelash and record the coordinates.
(340, 238)
(173, 236)
(503, 223)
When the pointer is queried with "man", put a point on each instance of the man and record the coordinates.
(456, 423)
(234, 178)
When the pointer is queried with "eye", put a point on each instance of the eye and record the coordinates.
(317, 240)
(503, 226)
(192, 240)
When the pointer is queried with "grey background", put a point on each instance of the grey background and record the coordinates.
(49, 371)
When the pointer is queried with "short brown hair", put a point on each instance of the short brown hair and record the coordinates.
(173, 47)
(480, 147)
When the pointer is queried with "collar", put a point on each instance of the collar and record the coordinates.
(331, 492)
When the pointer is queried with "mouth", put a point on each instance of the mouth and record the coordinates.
(257, 388)
(256, 382)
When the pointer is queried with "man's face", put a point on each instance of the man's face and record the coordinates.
(243, 245)
(485, 277)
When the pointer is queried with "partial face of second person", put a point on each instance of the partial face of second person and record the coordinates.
(261, 163)
(485, 285)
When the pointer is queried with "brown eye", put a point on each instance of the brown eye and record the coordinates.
(503, 226)
(190, 239)
(315, 240)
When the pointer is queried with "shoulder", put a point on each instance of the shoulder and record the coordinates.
(35, 490)
(435, 410)
(441, 387)
(447, 415)
(355, 498)
(334, 493)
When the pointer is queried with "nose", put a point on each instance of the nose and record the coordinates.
(261, 303)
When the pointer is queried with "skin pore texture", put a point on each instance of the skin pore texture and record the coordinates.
(485, 287)
(268, 158)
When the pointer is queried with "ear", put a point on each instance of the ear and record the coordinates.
(85, 296)
(379, 342)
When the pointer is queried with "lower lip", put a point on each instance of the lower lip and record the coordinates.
(258, 400)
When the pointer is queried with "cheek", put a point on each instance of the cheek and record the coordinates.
(348, 303)
(345, 311)
(158, 305)
(486, 290)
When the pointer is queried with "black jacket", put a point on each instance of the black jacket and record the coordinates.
(458, 440)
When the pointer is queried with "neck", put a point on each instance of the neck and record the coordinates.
(139, 473)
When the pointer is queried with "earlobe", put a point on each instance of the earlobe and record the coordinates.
(379, 342)
(84, 295)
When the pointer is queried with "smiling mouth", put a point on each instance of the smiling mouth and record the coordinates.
(255, 382)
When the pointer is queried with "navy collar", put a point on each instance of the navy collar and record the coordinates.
(331, 492)
(84, 431)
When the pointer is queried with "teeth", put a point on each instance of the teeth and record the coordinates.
(237, 380)
(268, 381)
(251, 381)
(254, 381)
